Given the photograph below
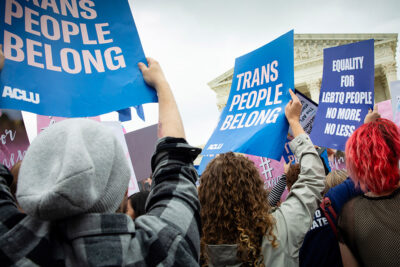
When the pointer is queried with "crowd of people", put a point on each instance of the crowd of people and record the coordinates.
(66, 203)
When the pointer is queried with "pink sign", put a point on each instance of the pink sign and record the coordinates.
(45, 121)
(270, 171)
(385, 109)
(14, 139)
(397, 115)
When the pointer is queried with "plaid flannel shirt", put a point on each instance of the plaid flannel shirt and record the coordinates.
(168, 235)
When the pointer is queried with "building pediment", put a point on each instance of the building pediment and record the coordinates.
(308, 48)
(308, 61)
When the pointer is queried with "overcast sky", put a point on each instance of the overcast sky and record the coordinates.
(196, 41)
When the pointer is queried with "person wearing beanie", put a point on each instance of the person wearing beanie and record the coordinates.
(73, 179)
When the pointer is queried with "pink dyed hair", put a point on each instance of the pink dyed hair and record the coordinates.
(372, 156)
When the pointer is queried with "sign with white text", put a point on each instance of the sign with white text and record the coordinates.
(308, 112)
(74, 58)
(347, 92)
(253, 121)
(14, 139)
(270, 170)
(307, 116)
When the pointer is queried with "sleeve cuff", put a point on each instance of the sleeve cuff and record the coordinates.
(5, 173)
(174, 149)
(300, 144)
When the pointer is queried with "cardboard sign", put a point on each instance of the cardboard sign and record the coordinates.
(347, 92)
(14, 139)
(308, 112)
(71, 58)
(253, 121)
(141, 146)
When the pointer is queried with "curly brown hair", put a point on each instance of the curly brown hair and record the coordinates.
(234, 208)
(292, 175)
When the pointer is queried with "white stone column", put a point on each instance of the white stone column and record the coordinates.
(390, 72)
(222, 96)
(314, 87)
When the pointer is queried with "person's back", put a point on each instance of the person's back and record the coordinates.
(294, 216)
(73, 179)
(238, 229)
(320, 246)
(370, 227)
(369, 224)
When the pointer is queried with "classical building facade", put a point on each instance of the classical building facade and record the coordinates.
(308, 60)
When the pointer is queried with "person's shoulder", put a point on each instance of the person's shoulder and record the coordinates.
(346, 216)
(349, 205)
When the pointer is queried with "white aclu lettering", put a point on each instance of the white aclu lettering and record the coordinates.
(20, 94)
(215, 146)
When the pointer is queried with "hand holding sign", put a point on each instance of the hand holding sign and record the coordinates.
(292, 112)
(153, 74)
(293, 108)
(286, 166)
(170, 122)
(1, 57)
(372, 115)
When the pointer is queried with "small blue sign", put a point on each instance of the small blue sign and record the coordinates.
(71, 58)
(347, 92)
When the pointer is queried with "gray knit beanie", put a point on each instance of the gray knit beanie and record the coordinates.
(74, 167)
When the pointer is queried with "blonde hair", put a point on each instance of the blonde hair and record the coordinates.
(335, 178)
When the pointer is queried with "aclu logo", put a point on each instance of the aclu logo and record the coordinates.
(215, 146)
(19, 94)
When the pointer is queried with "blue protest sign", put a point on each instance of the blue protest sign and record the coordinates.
(204, 162)
(73, 58)
(253, 121)
(140, 112)
(347, 92)
(124, 114)
(287, 152)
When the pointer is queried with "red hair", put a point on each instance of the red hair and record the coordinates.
(372, 156)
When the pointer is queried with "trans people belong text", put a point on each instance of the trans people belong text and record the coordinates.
(250, 99)
(43, 55)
